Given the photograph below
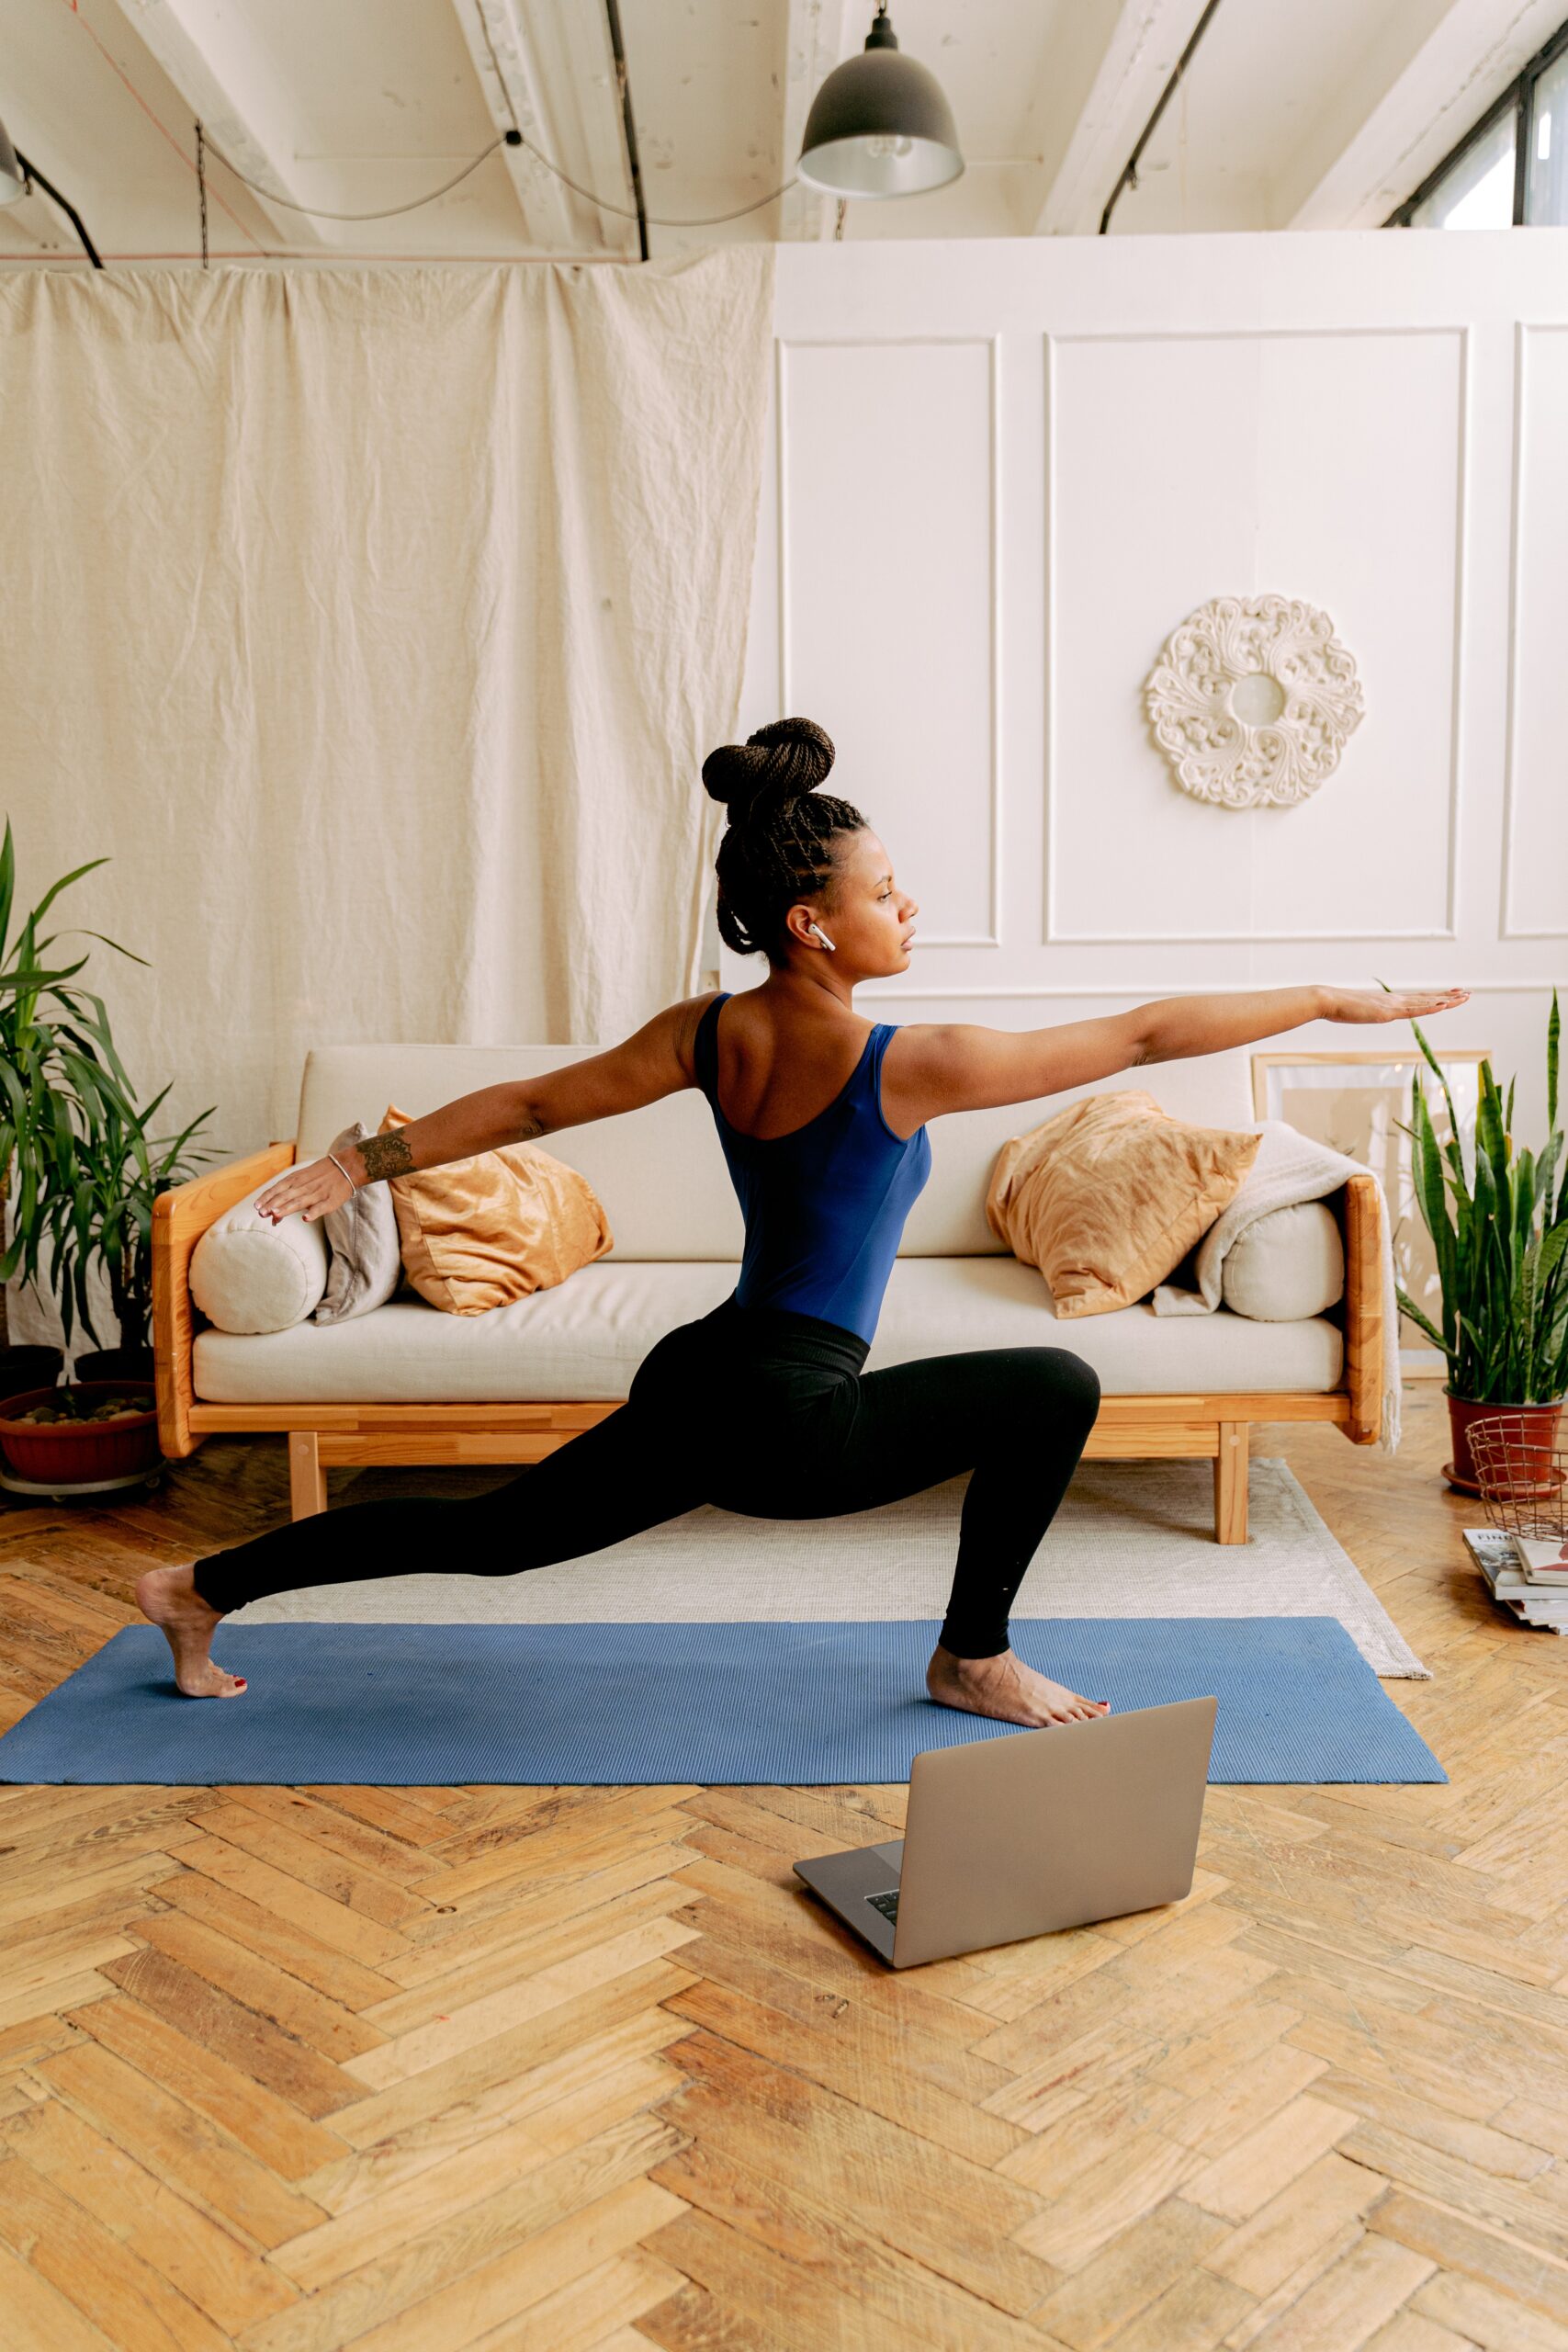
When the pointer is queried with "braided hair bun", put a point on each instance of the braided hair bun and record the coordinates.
(779, 844)
(781, 762)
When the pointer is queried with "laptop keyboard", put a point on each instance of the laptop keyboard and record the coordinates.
(887, 1904)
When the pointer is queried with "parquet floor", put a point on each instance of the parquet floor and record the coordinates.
(553, 2069)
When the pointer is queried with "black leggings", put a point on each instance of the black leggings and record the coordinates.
(755, 1409)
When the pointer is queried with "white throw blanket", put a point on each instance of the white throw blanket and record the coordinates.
(1289, 1168)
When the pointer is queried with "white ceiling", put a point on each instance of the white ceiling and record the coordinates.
(1293, 114)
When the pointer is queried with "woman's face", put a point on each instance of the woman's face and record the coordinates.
(871, 918)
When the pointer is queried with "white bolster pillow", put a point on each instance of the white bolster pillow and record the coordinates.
(1286, 1266)
(248, 1274)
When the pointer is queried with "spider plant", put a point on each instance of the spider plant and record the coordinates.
(1501, 1236)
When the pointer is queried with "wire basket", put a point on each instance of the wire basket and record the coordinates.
(1521, 1469)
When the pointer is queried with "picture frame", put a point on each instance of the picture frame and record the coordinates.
(1357, 1101)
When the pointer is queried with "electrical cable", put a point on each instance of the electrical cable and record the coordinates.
(704, 220)
(512, 139)
(506, 138)
(389, 212)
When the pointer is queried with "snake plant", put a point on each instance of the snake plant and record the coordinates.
(1500, 1232)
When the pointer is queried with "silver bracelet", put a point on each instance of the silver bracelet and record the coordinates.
(343, 1171)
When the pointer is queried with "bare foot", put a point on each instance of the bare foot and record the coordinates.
(1004, 1686)
(169, 1598)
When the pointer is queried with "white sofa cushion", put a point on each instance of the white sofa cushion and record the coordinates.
(248, 1275)
(661, 1171)
(1285, 1265)
(586, 1336)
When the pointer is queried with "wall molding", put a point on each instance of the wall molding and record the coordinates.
(1114, 991)
(1523, 329)
(996, 800)
(1052, 934)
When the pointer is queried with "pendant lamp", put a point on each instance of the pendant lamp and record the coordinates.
(880, 125)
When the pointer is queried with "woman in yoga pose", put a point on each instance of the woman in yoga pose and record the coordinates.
(761, 1405)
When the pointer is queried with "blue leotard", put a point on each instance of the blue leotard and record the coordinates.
(824, 1204)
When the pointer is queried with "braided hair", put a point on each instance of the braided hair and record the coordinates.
(778, 845)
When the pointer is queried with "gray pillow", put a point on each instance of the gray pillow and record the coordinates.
(364, 1264)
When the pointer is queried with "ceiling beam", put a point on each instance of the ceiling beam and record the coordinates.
(208, 67)
(819, 36)
(1102, 82)
(1418, 88)
(552, 75)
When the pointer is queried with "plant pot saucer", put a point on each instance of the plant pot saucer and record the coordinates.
(61, 1490)
(1535, 1492)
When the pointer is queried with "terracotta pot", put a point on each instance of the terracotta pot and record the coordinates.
(113, 1364)
(71, 1453)
(28, 1368)
(1533, 1436)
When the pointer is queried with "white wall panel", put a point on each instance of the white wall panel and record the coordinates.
(1006, 469)
(1536, 855)
(1184, 467)
(888, 605)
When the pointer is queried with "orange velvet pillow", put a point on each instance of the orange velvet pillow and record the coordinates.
(476, 1233)
(1108, 1197)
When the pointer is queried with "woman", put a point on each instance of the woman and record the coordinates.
(761, 1405)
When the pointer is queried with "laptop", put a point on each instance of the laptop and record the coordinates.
(1006, 1837)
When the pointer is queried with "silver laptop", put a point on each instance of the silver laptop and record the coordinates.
(1018, 1837)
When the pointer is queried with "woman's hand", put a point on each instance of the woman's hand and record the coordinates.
(1389, 1004)
(312, 1189)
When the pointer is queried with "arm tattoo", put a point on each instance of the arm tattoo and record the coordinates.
(385, 1156)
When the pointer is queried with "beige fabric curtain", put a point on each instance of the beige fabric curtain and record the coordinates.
(374, 624)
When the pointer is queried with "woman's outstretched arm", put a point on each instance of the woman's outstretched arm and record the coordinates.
(654, 1061)
(958, 1067)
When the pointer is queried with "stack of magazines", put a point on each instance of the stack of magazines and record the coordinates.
(1528, 1573)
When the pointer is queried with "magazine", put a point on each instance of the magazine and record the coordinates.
(1541, 1601)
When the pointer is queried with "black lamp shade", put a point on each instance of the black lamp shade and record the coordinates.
(13, 181)
(880, 126)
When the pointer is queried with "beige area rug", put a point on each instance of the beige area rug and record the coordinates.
(1134, 1539)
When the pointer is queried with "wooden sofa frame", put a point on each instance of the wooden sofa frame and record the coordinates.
(1213, 1427)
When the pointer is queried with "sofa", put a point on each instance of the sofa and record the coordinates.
(408, 1384)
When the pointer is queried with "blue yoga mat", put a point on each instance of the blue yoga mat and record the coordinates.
(439, 1706)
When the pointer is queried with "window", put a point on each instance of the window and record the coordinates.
(1477, 190)
(1546, 190)
(1510, 170)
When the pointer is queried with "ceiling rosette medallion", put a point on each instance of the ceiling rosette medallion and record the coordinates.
(1252, 701)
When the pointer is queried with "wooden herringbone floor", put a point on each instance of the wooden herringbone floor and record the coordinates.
(419, 2070)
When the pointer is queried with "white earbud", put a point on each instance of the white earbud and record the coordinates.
(821, 934)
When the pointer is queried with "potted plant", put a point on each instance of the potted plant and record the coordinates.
(100, 1428)
(86, 1434)
(99, 1210)
(56, 1054)
(1500, 1232)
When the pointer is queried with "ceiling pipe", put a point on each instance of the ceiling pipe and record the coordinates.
(614, 13)
(17, 178)
(1130, 169)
